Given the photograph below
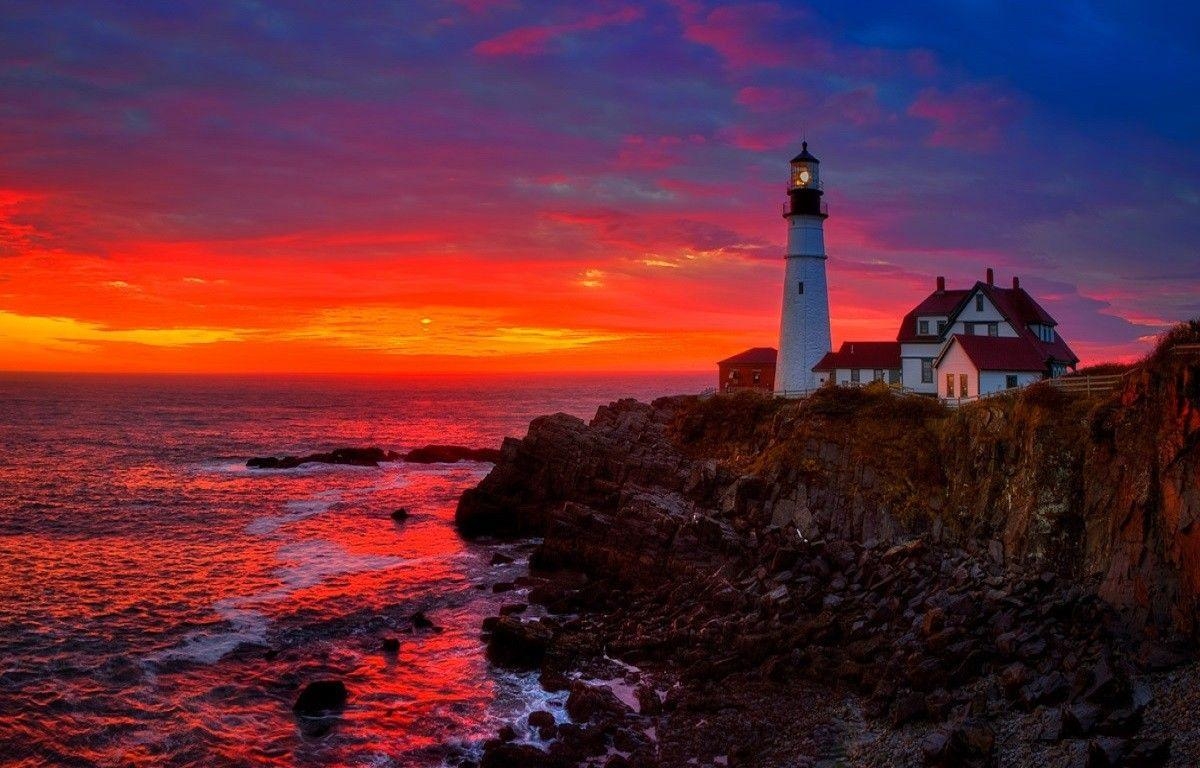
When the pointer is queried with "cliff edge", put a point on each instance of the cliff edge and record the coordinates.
(1012, 582)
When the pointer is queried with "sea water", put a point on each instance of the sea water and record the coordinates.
(161, 604)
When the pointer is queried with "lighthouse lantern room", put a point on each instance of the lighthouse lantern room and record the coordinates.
(804, 336)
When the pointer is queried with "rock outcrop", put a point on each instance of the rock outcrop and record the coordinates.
(358, 457)
(1104, 489)
(1025, 558)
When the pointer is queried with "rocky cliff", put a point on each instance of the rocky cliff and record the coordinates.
(1016, 563)
(1103, 488)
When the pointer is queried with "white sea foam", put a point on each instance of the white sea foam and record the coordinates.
(247, 625)
(295, 510)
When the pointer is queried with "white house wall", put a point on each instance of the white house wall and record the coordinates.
(994, 381)
(910, 365)
(989, 314)
(956, 362)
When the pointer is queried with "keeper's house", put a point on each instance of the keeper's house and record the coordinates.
(955, 344)
(975, 341)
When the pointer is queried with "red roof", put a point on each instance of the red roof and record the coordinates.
(1021, 311)
(862, 354)
(999, 353)
(753, 356)
(937, 304)
(1014, 304)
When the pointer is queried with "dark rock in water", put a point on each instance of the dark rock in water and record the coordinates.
(541, 719)
(449, 454)
(508, 733)
(391, 644)
(503, 586)
(400, 515)
(501, 559)
(512, 609)
(320, 697)
(358, 457)
(518, 644)
(421, 621)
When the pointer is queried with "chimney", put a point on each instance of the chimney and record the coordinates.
(941, 284)
(991, 276)
(1016, 282)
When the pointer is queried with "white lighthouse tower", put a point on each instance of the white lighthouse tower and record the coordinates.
(804, 323)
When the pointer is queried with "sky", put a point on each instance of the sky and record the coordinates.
(506, 186)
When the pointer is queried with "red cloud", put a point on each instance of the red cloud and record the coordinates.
(974, 117)
(737, 33)
(529, 41)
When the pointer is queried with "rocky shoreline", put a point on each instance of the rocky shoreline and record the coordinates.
(373, 457)
(746, 581)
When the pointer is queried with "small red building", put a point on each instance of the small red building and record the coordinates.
(752, 369)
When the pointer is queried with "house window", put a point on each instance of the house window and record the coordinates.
(969, 329)
(993, 329)
(923, 327)
(854, 375)
(949, 385)
(733, 375)
(894, 376)
(926, 370)
(878, 375)
(801, 287)
(941, 326)
(979, 302)
(1010, 381)
(962, 385)
(757, 376)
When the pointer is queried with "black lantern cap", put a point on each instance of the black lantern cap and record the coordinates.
(804, 156)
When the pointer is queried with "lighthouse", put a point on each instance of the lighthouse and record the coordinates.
(804, 322)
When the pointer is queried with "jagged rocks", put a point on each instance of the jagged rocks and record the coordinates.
(518, 644)
(936, 565)
(588, 701)
(359, 457)
(970, 744)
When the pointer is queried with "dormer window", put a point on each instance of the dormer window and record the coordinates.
(1043, 332)
(923, 328)
(979, 302)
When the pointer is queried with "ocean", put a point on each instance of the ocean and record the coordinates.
(162, 605)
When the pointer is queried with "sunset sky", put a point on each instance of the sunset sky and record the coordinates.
(514, 186)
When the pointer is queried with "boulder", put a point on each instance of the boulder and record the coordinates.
(321, 697)
(588, 701)
(518, 644)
